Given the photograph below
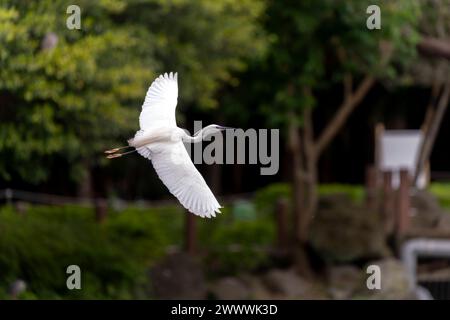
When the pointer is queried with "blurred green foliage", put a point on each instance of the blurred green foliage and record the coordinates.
(66, 104)
(442, 191)
(114, 256)
(313, 44)
(355, 192)
(236, 243)
(266, 198)
(239, 246)
(38, 244)
(244, 210)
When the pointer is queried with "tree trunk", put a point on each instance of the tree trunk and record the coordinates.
(301, 213)
(311, 170)
(429, 113)
(85, 187)
(297, 181)
(237, 173)
(428, 142)
(305, 171)
(190, 233)
(215, 178)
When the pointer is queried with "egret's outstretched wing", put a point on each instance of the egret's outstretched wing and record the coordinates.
(176, 170)
(158, 109)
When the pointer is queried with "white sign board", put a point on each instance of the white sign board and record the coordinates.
(399, 149)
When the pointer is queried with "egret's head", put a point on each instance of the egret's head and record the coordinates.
(212, 129)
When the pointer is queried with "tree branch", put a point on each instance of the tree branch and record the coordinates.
(434, 47)
(428, 142)
(348, 79)
(348, 85)
(343, 113)
(308, 129)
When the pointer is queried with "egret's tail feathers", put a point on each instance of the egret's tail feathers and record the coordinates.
(141, 141)
(131, 142)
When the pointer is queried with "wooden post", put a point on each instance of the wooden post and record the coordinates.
(379, 131)
(9, 196)
(403, 203)
(371, 187)
(282, 223)
(190, 233)
(387, 214)
(21, 207)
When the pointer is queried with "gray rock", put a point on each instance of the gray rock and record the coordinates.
(423, 200)
(444, 222)
(178, 276)
(426, 208)
(287, 284)
(343, 232)
(343, 281)
(257, 289)
(230, 288)
(334, 200)
(394, 282)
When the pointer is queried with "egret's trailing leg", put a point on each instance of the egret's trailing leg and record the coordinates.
(116, 155)
(116, 149)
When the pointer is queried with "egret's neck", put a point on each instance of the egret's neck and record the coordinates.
(193, 139)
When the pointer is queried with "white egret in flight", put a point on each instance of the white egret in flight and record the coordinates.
(161, 141)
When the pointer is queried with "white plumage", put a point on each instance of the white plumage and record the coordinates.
(178, 173)
(158, 109)
(161, 141)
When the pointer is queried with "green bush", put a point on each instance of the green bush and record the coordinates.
(266, 198)
(113, 256)
(238, 246)
(356, 192)
(442, 192)
(38, 245)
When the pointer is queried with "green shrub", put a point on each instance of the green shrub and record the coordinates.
(238, 246)
(356, 192)
(442, 192)
(266, 198)
(114, 256)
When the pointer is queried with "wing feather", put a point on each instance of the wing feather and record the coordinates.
(176, 170)
(158, 109)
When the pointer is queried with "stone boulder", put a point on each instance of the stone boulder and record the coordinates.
(178, 276)
(230, 288)
(342, 231)
(258, 290)
(343, 281)
(426, 210)
(287, 284)
(444, 222)
(394, 282)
